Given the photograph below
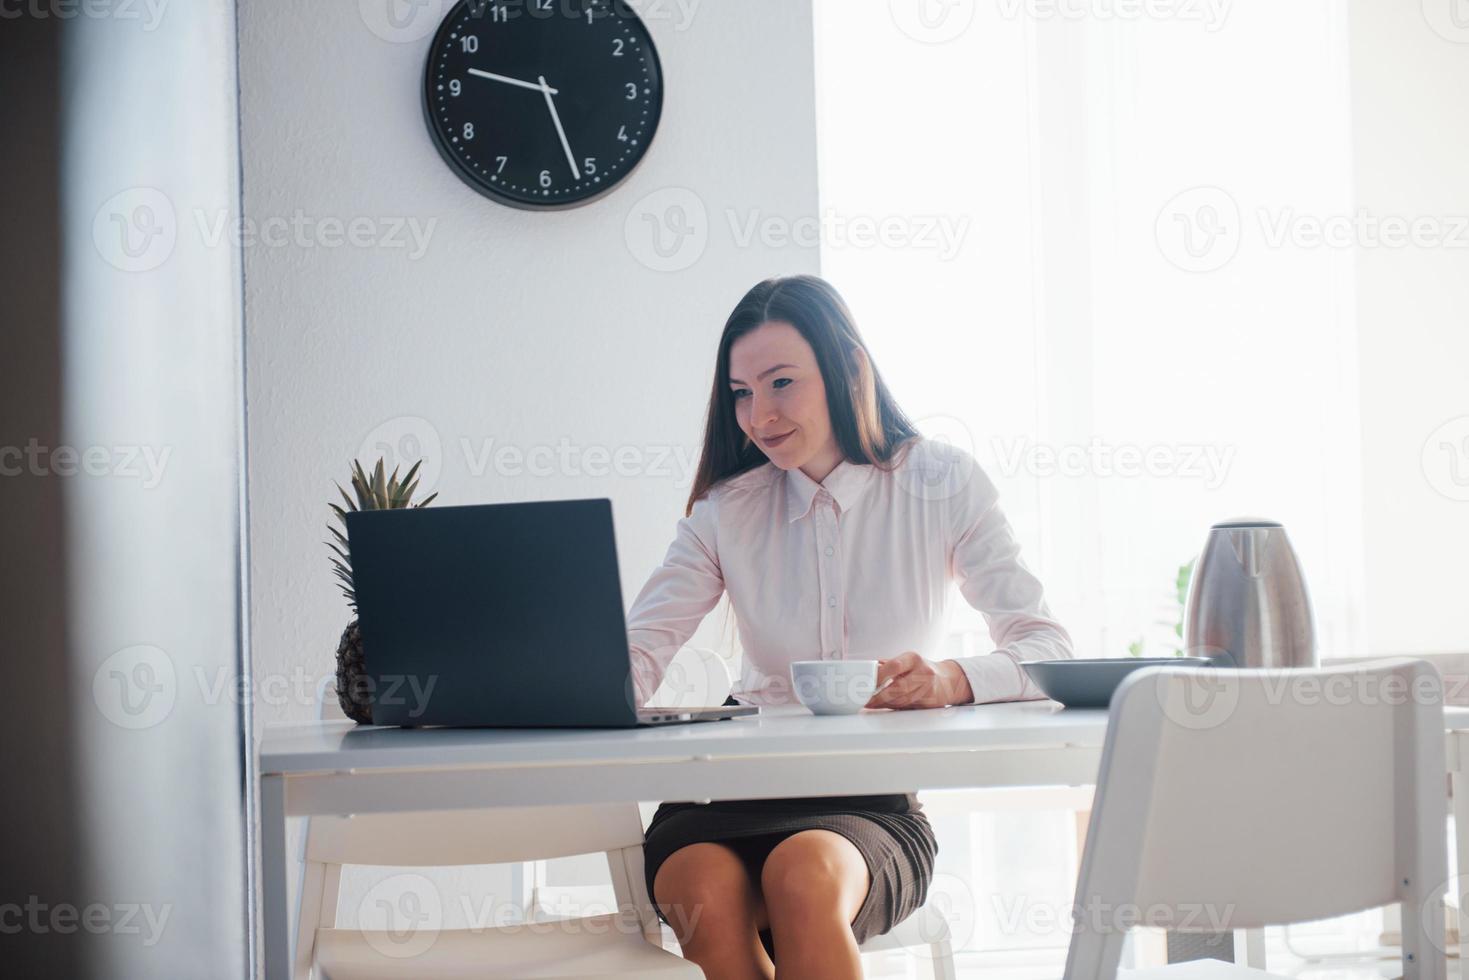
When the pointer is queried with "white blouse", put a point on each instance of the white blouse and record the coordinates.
(856, 567)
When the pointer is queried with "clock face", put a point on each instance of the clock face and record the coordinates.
(543, 103)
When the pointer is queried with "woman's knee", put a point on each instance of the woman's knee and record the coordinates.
(813, 871)
(705, 886)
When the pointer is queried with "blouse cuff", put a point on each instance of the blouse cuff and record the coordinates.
(997, 677)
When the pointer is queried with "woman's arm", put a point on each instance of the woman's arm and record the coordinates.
(993, 579)
(676, 598)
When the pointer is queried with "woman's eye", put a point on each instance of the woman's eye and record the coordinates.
(781, 382)
(740, 393)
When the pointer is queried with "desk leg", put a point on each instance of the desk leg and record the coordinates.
(275, 908)
(1459, 880)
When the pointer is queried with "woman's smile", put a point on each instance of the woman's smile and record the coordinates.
(773, 441)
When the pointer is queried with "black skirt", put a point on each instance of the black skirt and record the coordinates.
(890, 831)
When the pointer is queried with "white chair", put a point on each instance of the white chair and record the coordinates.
(412, 941)
(1265, 797)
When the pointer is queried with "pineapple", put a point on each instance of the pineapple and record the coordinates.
(373, 493)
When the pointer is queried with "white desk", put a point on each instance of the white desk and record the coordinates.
(340, 768)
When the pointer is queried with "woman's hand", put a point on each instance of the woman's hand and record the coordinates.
(920, 683)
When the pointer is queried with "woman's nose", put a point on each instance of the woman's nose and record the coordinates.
(762, 410)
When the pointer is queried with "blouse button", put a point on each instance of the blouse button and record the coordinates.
(829, 551)
(831, 600)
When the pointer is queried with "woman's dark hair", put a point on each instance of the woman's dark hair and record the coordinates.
(868, 424)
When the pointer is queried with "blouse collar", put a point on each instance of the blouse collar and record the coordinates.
(845, 484)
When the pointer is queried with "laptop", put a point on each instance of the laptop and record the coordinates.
(499, 615)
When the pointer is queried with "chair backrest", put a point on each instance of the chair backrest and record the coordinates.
(1232, 799)
(491, 836)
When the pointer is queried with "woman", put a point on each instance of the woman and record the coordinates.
(836, 529)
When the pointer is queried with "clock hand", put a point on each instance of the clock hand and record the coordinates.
(570, 157)
(508, 81)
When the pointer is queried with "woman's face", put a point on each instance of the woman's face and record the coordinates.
(780, 400)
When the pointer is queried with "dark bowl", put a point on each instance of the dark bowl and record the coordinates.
(1087, 683)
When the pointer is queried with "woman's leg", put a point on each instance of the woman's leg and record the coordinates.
(708, 897)
(814, 883)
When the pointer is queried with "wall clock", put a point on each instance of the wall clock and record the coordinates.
(543, 104)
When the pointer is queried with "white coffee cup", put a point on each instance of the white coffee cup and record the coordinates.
(834, 687)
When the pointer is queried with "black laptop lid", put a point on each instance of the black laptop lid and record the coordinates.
(493, 615)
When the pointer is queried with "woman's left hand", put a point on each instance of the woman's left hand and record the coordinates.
(920, 683)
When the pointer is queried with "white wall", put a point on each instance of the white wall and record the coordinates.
(1410, 146)
(511, 328)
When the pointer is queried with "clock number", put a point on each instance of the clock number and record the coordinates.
(455, 87)
(632, 91)
(591, 165)
(589, 15)
(469, 130)
(622, 133)
(617, 47)
(545, 178)
(470, 43)
(501, 161)
(500, 15)
(543, 4)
